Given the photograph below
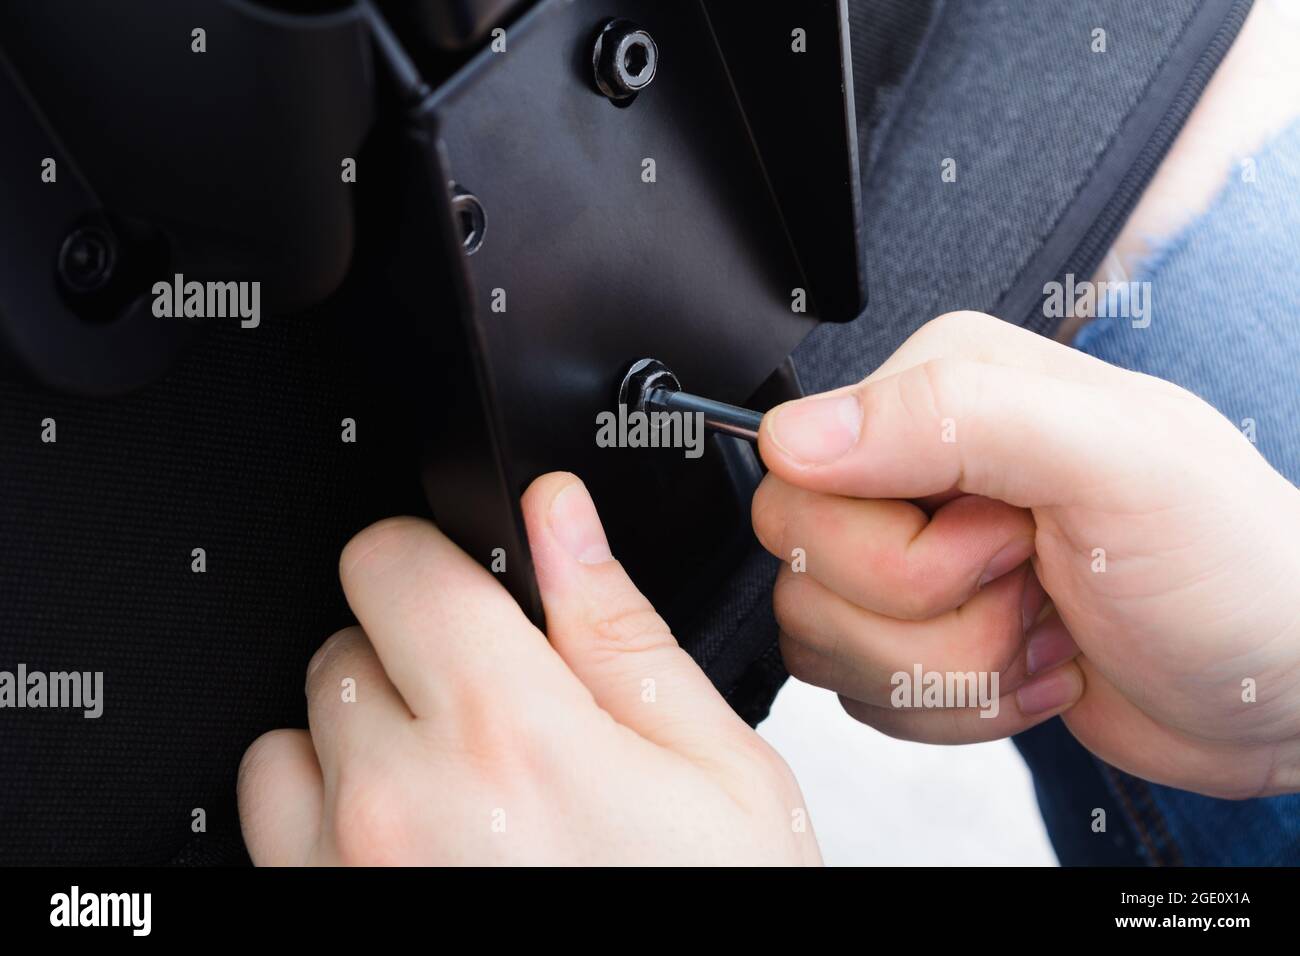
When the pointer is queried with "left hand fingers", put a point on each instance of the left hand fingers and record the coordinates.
(611, 637)
(351, 703)
(451, 638)
(281, 798)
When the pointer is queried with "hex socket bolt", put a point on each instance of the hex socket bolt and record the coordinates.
(624, 60)
(649, 386)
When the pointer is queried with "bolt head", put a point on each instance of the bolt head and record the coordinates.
(644, 375)
(87, 259)
(625, 60)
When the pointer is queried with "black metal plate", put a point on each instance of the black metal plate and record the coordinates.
(600, 268)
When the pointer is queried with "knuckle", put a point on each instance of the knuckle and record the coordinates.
(369, 824)
(483, 730)
(768, 514)
(505, 748)
(335, 648)
(629, 629)
(788, 599)
(256, 764)
(823, 519)
(942, 379)
(758, 774)
(921, 594)
(952, 329)
(377, 547)
(969, 320)
(804, 661)
(932, 337)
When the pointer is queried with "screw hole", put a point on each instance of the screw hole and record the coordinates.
(471, 218)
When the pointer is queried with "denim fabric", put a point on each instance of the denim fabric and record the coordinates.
(1225, 316)
(1225, 324)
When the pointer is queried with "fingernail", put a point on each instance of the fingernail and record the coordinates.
(1049, 644)
(576, 525)
(1032, 602)
(1012, 556)
(817, 431)
(1052, 690)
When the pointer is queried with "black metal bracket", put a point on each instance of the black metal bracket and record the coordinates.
(691, 224)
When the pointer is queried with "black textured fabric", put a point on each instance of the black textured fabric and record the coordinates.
(239, 453)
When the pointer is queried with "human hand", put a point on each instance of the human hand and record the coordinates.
(1169, 548)
(472, 740)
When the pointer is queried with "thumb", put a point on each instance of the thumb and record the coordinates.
(1020, 435)
(608, 633)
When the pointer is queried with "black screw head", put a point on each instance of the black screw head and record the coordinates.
(644, 376)
(625, 60)
(87, 259)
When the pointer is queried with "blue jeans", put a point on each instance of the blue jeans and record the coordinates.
(1225, 324)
